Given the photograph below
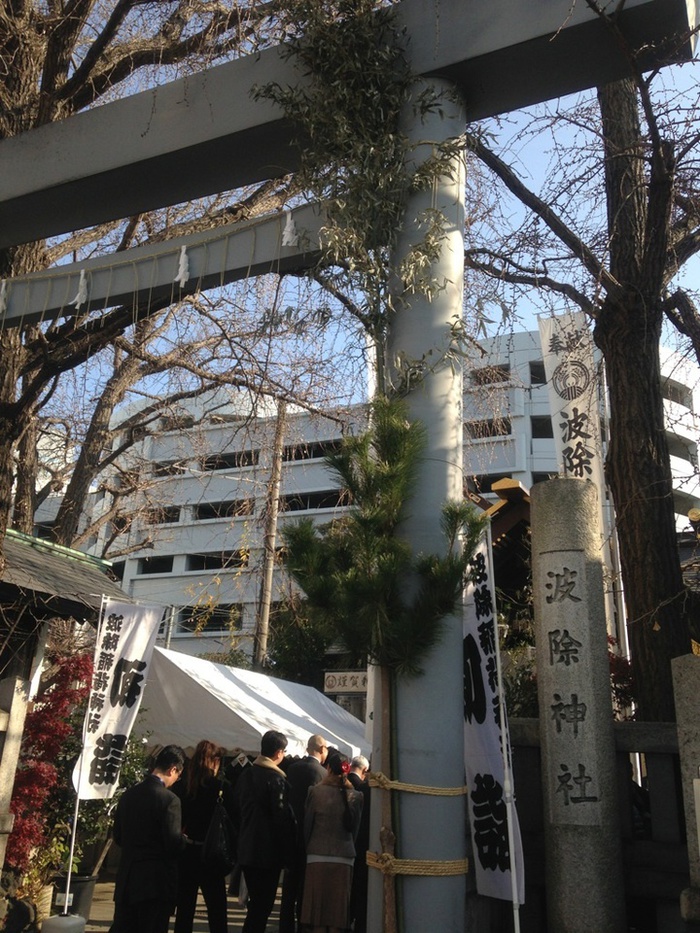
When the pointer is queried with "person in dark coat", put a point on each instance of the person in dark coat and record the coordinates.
(148, 828)
(198, 797)
(266, 828)
(301, 774)
(357, 776)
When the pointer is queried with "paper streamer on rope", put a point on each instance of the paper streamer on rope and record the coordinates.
(82, 293)
(125, 641)
(494, 822)
(290, 236)
(183, 268)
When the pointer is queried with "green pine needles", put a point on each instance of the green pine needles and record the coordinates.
(359, 576)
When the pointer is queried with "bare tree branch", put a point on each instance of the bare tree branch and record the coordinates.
(578, 248)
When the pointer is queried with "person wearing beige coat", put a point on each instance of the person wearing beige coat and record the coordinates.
(331, 822)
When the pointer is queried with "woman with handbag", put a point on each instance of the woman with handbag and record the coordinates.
(331, 821)
(201, 796)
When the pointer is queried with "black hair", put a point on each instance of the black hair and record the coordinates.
(272, 742)
(171, 756)
(334, 763)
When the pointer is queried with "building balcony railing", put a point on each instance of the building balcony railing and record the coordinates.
(495, 455)
(681, 421)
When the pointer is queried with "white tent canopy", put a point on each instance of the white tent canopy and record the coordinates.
(188, 699)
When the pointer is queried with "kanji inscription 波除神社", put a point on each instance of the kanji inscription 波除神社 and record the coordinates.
(579, 779)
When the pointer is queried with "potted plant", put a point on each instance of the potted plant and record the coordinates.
(37, 882)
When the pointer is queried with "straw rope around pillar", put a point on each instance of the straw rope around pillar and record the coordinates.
(386, 862)
(377, 779)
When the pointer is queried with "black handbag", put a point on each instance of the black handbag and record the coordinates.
(219, 846)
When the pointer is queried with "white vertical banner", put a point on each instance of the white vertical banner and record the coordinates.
(495, 830)
(573, 385)
(125, 640)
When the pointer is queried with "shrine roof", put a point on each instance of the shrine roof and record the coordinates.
(38, 566)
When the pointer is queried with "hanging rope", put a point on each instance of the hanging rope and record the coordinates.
(377, 779)
(389, 865)
(386, 862)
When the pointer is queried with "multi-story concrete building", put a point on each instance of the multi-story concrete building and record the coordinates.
(204, 478)
(194, 528)
(508, 428)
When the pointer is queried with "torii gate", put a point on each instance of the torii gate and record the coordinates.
(204, 134)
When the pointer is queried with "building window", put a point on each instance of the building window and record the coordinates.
(220, 560)
(306, 501)
(121, 523)
(684, 451)
(490, 375)
(176, 422)
(117, 569)
(44, 530)
(155, 564)
(168, 468)
(224, 617)
(314, 450)
(675, 392)
(230, 509)
(166, 515)
(537, 373)
(541, 426)
(230, 461)
(541, 477)
(493, 427)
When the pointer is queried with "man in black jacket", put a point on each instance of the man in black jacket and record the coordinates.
(301, 774)
(147, 827)
(359, 767)
(266, 828)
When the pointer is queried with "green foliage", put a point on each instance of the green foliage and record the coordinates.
(49, 734)
(232, 657)
(517, 642)
(347, 120)
(360, 577)
(354, 157)
(299, 640)
(43, 799)
(520, 682)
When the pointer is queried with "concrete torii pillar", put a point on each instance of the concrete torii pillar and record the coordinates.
(203, 134)
(430, 747)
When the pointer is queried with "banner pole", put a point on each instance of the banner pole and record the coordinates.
(83, 739)
(508, 795)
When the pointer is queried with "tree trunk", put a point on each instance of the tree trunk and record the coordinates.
(10, 427)
(639, 476)
(27, 476)
(97, 439)
(639, 188)
(262, 623)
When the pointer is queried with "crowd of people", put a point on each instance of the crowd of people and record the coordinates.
(304, 821)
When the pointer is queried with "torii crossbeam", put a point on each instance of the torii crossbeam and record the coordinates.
(205, 133)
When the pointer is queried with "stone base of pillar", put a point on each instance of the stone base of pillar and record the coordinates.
(690, 906)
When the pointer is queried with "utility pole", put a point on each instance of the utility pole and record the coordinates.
(262, 622)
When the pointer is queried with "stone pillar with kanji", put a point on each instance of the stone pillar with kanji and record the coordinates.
(585, 889)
